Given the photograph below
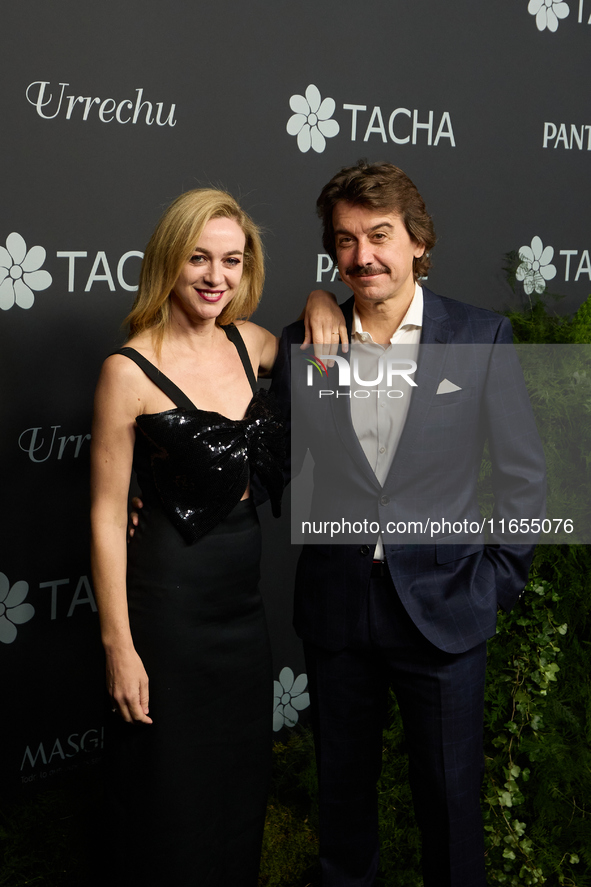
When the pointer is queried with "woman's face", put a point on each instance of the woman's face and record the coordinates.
(210, 278)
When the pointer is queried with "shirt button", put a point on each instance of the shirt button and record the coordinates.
(382, 449)
(384, 500)
(364, 550)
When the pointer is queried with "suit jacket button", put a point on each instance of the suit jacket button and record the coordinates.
(384, 500)
(364, 550)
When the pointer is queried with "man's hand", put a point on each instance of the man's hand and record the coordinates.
(325, 324)
(134, 517)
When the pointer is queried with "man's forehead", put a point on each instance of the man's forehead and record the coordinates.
(346, 216)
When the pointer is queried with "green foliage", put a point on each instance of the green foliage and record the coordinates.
(558, 379)
(523, 666)
(400, 840)
(290, 847)
(537, 325)
(290, 843)
(46, 840)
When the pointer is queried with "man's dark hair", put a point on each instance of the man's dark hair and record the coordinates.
(378, 186)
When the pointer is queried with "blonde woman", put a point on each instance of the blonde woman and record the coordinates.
(182, 622)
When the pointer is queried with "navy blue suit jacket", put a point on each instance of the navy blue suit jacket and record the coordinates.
(450, 591)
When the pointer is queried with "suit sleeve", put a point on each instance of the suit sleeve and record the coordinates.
(518, 465)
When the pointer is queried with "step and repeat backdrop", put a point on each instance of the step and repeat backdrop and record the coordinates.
(108, 111)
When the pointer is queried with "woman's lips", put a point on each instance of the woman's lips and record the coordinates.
(211, 296)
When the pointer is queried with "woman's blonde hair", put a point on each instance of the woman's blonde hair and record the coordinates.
(172, 244)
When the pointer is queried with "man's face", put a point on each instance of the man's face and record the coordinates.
(374, 253)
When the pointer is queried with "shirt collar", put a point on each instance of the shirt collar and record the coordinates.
(413, 319)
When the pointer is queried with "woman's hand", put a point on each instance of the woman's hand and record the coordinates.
(134, 516)
(325, 324)
(127, 683)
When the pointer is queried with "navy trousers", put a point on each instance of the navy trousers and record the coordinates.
(441, 699)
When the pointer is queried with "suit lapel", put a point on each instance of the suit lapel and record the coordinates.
(341, 409)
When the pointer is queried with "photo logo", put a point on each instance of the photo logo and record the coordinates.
(311, 122)
(386, 370)
(535, 268)
(320, 366)
(13, 611)
(548, 13)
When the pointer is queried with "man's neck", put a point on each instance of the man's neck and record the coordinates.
(381, 320)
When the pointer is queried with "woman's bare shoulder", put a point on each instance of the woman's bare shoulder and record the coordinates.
(261, 344)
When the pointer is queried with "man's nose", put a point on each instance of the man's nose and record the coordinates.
(364, 253)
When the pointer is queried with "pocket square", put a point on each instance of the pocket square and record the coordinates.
(446, 387)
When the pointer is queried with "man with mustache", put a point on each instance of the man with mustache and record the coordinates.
(378, 614)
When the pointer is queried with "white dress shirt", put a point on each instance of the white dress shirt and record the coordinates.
(378, 418)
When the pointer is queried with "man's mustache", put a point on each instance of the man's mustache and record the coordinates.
(365, 270)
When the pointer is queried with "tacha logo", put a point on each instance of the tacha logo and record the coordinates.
(13, 611)
(548, 13)
(537, 267)
(289, 698)
(20, 273)
(312, 123)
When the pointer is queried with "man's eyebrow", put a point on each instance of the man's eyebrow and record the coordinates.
(383, 224)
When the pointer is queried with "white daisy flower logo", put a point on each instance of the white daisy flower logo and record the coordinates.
(547, 13)
(311, 121)
(535, 268)
(289, 698)
(12, 610)
(20, 274)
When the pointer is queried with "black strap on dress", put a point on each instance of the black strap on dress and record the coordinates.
(167, 385)
(236, 339)
(158, 378)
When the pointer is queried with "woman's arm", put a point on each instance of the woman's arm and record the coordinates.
(324, 322)
(113, 434)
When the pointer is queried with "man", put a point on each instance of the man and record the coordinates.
(411, 617)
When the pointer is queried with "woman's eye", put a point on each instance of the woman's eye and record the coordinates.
(197, 259)
(233, 262)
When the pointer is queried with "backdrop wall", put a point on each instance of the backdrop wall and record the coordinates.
(108, 111)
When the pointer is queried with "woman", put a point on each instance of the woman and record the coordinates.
(190, 756)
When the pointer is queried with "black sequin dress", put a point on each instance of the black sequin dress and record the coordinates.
(187, 794)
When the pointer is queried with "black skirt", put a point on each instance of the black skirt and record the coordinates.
(187, 795)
